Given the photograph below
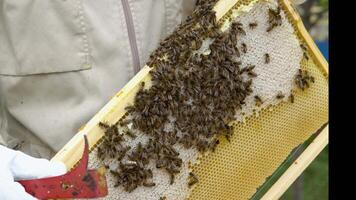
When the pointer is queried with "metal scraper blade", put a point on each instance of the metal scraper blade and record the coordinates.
(77, 183)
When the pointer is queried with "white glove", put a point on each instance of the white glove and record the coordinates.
(15, 165)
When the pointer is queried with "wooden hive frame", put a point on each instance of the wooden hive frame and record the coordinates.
(115, 109)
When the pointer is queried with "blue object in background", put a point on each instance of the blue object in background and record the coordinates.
(324, 48)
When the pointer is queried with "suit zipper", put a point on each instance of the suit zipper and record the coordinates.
(132, 35)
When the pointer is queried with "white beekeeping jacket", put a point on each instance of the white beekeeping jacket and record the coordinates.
(62, 60)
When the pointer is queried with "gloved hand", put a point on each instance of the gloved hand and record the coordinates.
(15, 165)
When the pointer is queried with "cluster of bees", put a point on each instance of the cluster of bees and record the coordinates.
(187, 37)
(112, 146)
(274, 18)
(303, 79)
(197, 94)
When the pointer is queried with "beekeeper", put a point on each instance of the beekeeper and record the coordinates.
(60, 62)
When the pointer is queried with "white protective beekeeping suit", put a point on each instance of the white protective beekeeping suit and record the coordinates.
(62, 60)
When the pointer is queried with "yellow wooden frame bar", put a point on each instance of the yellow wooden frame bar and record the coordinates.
(299, 165)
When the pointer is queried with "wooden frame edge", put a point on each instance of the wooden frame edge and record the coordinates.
(319, 143)
(319, 58)
(300, 164)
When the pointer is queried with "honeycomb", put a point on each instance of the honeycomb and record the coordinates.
(260, 144)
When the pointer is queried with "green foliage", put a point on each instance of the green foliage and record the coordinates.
(324, 3)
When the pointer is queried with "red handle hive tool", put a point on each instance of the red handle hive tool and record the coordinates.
(78, 183)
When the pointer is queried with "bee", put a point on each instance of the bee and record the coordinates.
(202, 145)
(258, 100)
(130, 134)
(196, 44)
(100, 153)
(103, 125)
(123, 152)
(251, 67)
(114, 173)
(236, 27)
(244, 48)
(267, 58)
(160, 163)
(227, 137)
(303, 47)
(213, 144)
(171, 179)
(172, 150)
(193, 179)
(274, 18)
(123, 123)
(149, 184)
(252, 25)
(252, 74)
(18, 146)
(312, 79)
(117, 184)
(291, 98)
(130, 109)
(280, 95)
